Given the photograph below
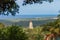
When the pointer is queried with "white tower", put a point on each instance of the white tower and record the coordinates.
(30, 25)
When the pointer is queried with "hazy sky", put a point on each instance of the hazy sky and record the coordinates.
(39, 9)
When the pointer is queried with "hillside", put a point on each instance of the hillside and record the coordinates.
(25, 22)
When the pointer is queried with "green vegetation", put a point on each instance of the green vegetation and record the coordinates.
(12, 33)
(17, 33)
(37, 33)
(2, 25)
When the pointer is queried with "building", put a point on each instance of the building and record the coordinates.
(30, 25)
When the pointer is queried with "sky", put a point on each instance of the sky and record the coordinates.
(39, 9)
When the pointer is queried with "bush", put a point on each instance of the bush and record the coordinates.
(12, 33)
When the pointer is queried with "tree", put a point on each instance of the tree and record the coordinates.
(16, 33)
(11, 7)
(8, 7)
(2, 25)
(35, 1)
(13, 33)
(3, 34)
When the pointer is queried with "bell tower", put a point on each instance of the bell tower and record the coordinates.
(30, 25)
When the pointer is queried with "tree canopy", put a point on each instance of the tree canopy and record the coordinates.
(11, 7)
(8, 6)
(35, 1)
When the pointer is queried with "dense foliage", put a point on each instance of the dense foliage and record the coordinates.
(35, 1)
(2, 25)
(8, 7)
(37, 33)
(12, 33)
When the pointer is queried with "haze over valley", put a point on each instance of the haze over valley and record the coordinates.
(24, 21)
